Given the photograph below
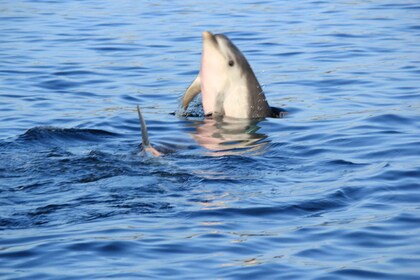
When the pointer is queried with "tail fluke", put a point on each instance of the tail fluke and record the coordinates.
(145, 136)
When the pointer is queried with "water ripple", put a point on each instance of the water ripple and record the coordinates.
(330, 191)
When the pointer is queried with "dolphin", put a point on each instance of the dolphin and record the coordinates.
(227, 83)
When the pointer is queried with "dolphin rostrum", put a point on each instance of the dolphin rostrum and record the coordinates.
(227, 83)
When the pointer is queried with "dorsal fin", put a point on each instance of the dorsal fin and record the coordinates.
(145, 136)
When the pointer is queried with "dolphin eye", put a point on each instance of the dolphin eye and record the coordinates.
(231, 63)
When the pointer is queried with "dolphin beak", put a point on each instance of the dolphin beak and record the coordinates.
(209, 37)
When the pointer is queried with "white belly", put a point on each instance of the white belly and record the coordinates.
(236, 104)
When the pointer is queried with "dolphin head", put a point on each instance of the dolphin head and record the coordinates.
(227, 83)
(227, 80)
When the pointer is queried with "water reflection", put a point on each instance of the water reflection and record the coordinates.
(230, 136)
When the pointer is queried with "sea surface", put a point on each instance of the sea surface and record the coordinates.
(329, 191)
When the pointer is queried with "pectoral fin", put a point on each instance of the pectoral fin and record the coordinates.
(192, 91)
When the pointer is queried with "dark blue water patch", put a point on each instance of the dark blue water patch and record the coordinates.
(84, 94)
(406, 89)
(347, 36)
(18, 72)
(322, 45)
(395, 121)
(251, 268)
(184, 39)
(317, 2)
(340, 56)
(52, 134)
(329, 85)
(14, 18)
(369, 274)
(111, 49)
(127, 69)
(270, 44)
(415, 27)
(404, 221)
(396, 175)
(104, 204)
(190, 73)
(58, 84)
(73, 73)
(328, 252)
(68, 38)
(387, 153)
(375, 238)
(336, 201)
(355, 142)
(158, 46)
(287, 54)
(110, 248)
(131, 98)
(410, 262)
(382, 49)
(404, 6)
(346, 165)
(113, 24)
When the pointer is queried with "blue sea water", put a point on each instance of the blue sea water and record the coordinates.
(330, 191)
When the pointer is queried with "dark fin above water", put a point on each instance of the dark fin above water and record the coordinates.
(145, 136)
(277, 112)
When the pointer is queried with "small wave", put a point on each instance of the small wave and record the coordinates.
(390, 119)
(48, 133)
(366, 274)
(58, 84)
(336, 201)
